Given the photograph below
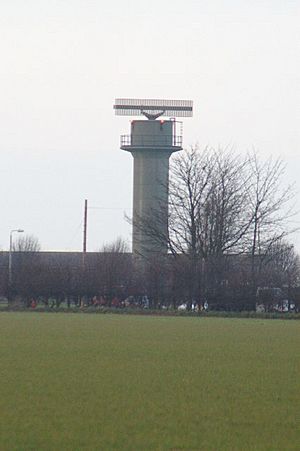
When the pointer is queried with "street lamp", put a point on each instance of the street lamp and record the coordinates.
(10, 256)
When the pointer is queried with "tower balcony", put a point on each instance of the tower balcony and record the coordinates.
(172, 142)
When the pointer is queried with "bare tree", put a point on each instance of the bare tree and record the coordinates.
(119, 245)
(280, 267)
(269, 201)
(208, 218)
(27, 243)
(26, 267)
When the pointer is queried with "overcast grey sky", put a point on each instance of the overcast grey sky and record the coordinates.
(63, 62)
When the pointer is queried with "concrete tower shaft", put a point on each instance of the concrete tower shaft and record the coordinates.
(151, 144)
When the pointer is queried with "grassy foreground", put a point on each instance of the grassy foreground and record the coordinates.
(106, 382)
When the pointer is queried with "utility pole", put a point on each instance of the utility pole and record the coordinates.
(85, 226)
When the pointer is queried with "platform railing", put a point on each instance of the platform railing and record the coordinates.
(151, 141)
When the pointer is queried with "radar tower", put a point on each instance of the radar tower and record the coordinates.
(151, 142)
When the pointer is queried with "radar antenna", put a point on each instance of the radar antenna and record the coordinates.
(153, 108)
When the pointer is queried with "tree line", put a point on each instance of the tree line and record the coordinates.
(230, 217)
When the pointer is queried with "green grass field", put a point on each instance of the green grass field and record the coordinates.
(106, 382)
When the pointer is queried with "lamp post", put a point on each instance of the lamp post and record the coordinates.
(10, 257)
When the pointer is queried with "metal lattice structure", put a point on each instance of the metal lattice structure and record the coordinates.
(153, 108)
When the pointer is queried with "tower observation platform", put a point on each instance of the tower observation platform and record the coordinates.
(156, 134)
(151, 142)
